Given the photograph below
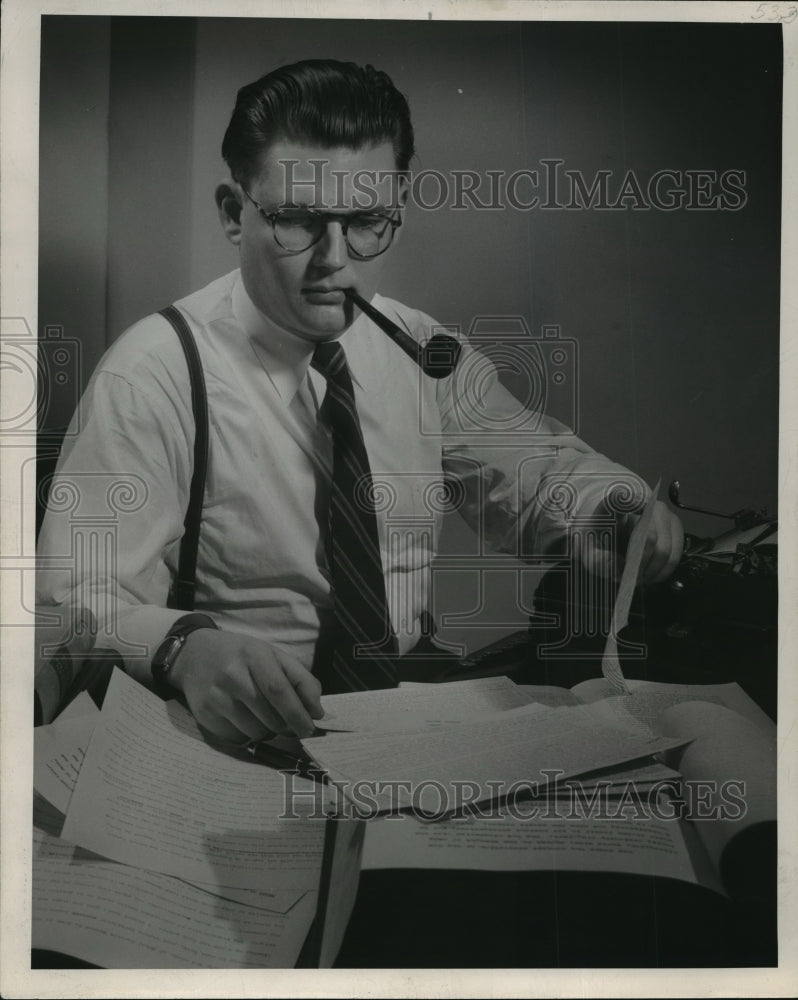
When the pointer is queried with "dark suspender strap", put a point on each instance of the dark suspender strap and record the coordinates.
(181, 596)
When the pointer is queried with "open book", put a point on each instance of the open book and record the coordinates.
(648, 699)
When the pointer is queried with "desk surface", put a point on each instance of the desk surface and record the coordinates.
(442, 919)
(454, 919)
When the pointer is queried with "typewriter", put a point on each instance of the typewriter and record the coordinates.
(713, 621)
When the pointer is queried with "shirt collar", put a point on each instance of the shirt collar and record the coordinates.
(286, 357)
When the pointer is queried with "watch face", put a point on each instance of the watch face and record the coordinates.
(166, 653)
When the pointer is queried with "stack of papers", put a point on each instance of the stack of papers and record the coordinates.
(578, 786)
(486, 751)
(153, 850)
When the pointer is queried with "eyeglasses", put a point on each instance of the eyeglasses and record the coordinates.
(367, 234)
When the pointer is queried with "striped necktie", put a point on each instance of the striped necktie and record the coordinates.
(357, 648)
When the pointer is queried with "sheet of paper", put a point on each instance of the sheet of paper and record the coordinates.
(517, 746)
(735, 760)
(397, 709)
(153, 795)
(81, 704)
(47, 844)
(276, 900)
(58, 753)
(610, 664)
(647, 700)
(621, 777)
(612, 712)
(47, 824)
(726, 544)
(549, 694)
(643, 846)
(123, 918)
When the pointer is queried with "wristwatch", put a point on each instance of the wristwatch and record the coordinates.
(169, 650)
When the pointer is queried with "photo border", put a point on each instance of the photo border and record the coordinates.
(18, 237)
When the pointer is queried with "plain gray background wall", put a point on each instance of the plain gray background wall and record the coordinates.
(675, 313)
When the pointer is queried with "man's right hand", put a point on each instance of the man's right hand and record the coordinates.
(240, 689)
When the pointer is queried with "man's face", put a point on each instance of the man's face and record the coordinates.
(301, 292)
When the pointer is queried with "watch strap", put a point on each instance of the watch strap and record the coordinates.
(170, 648)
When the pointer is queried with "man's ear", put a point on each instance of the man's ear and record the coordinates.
(228, 204)
(402, 195)
(403, 190)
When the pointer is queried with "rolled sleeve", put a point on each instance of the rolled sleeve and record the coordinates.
(110, 538)
(521, 478)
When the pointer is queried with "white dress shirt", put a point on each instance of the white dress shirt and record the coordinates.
(110, 539)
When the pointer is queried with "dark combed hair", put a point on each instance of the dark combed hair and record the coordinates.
(319, 101)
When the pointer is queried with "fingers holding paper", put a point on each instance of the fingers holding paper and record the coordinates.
(241, 689)
(656, 554)
(663, 546)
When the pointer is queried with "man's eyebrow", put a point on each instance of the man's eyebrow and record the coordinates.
(370, 209)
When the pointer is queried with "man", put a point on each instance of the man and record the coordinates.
(321, 464)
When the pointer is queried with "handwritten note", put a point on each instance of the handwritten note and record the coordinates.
(58, 753)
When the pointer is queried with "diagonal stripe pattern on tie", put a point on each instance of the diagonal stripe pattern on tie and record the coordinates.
(359, 648)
